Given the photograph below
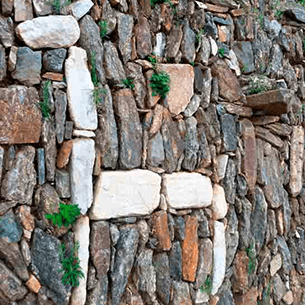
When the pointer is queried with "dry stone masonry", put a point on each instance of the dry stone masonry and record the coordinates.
(196, 196)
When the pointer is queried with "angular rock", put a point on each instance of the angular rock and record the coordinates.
(1, 161)
(222, 161)
(28, 66)
(160, 230)
(10, 228)
(219, 204)
(49, 32)
(181, 294)
(7, 7)
(41, 166)
(286, 255)
(175, 261)
(245, 224)
(129, 129)
(83, 133)
(23, 10)
(205, 51)
(240, 272)
(198, 188)
(228, 127)
(6, 32)
(80, 90)
(192, 106)
(113, 190)
(143, 37)
(42, 7)
(174, 40)
(3, 65)
(20, 118)
(33, 284)
(188, 43)
(68, 130)
(62, 183)
(275, 264)
(53, 60)
(266, 135)
(81, 235)
(63, 155)
(124, 258)
(25, 218)
(207, 88)
(60, 114)
(49, 144)
(250, 297)
(125, 31)
(243, 51)
(160, 45)
(155, 151)
(82, 161)
(229, 183)
(80, 8)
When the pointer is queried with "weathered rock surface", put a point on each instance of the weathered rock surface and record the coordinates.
(49, 32)
(143, 37)
(6, 32)
(113, 196)
(219, 204)
(125, 31)
(160, 230)
(80, 8)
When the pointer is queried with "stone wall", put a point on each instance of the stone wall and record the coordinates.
(195, 198)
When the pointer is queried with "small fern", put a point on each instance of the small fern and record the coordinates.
(159, 82)
(103, 28)
(128, 83)
(45, 105)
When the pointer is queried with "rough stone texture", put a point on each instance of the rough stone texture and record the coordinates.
(42, 7)
(245, 223)
(286, 255)
(33, 284)
(228, 128)
(20, 118)
(53, 60)
(125, 31)
(219, 204)
(80, 90)
(3, 65)
(275, 264)
(244, 54)
(23, 10)
(6, 32)
(49, 144)
(219, 256)
(62, 183)
(18, 183)
(82, 161)
(198, 188)
(80, 8)
(296, 160)
(129, 129)
(41, 171)
(143, 37)
(81, 235)
(229, 183)
(60, 114)
(175, 261)
(124, 259)
(181, 84)
(25, 218)
(181, 294)
(49, 32)
(114, 196)
(188, 43)
(46, 263)
(160, 230)
(222, 161)
(190, 249)
(240, 272)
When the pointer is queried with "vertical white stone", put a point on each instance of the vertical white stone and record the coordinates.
(80, 90)
(82, 161)
(219, 256)
(81, 235)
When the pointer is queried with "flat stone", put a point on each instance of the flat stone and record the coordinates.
(28, 66)
(24, 127)
(53, 76)
(1, 161)
(82, 161)
(49, 32)
(26, 252)
(3, 64)
(155, 151)
(80, 8)
(60, 114)
(244, 53)
(232, 235)
(143, 37)
(41, 166)
(219, 256)
(205, 51)
(62, 183)
(188, 43)
(10, 227)
(160, 230)
(275, 264)
(229, 182)
(83, 133)
(228, 127)
(10, 284)
(160, 45)
(280, 129)
(175, 261)
(266, 135)
(68, 130)
(42, 7)
(12, 58)
(286, 255)
(49, 144)
(181, 84)
(222, 161)
(80, 90)
(250, 297)
(63, 155)
(129, 129)
(181, 293)
(33, 284)
(279, 288)
(81, 236)
(193, 105)
(240, 272)
(7, 7)
(25, 218)
(113, 190)
(198, 188)
(296, 160)
(23, 10)
(219, 204)
(174, 40)
(190, 249)
(288, 297)
(53, 60)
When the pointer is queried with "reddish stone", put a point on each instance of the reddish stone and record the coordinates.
(240, 272)
(190, 249)
(249, 161)
(249, 298)
(236, 13)
(53, 76)
(143, 37)
(216, 8)
(20, 117)
(33, 284)
(160, 230)
(64, 153)
(25, 217)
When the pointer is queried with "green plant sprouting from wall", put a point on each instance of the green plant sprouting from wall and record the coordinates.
(57, 5)
(252, 258)
(128, 83)
(70, 265)
(208, 285)
(103, 28)
(221, 52)
(159, 83)
(257, 85)
(45, 104)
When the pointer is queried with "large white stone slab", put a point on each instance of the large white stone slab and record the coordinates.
(82, 161)
(219, 256)
(81, 235)
(49, 32)
(80, 90)
(187, 190)
(80, 8)
(125, 193)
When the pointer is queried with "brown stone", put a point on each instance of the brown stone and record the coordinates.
(143, 37)
(190, 249)
(157, 120)
(64, 153)
(229, 87)
(214, 300)
(240, 272)
(222, 35)
(266, 135)
(53, 76)
(216, 8)
(7, 7)
(23, 10)
(239, 110)
(249, 161)
(181, 85)
(25, 217)
(274, 102)
(249, 298)
(288, 297)
(280, 129)
(236, 12)
(160, 230)
(264, 120)
(33, 284)
(20, 118)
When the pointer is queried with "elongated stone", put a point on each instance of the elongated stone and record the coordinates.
(80, 8)
(41, 166)
(1, 160)
(60, 114)
(62, 183)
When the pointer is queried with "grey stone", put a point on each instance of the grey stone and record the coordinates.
(181, 293)
(296, 12)
(46, 265)
(175, 261)
(228, 128)
(53, 60)
(1, 161)
(174, 40)
(143, 37)
(125, 31)
(226, 298)
(245, 224)
(163, 280)
(124, 258)
(90, 40)
(114, 234)
(49, 144)
(229, 183)
(179, 227)
(80, 8)
(276, 60)
(68, 130)
(286, 256)
(204, 154)
(7, 36)
(42, 7)
(23, 10)
(109, 14)
(106, 134)
(7, 7)
(28, 67)
(3, 65)
(155, 151)
(62, 183)
(279, 288)
(205, 50)
(60, 114)
(18, 183)
(261, 51)
(198, 79)
(207, 87)
(115, 73)
(10, 227)
(242, 187)
(271, 229)
(191, 145)
(193, 105)
(203, 227)
(26, 252)
(244, 54)
(188, 43)
(41, 166)
(210, 26)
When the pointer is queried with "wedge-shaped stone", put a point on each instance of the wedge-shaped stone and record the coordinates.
(80, 90)
(187, 190)
(273, 102)
(49, 32)
(125, 193)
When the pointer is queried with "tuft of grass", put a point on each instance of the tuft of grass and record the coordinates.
(160, 82)
(257, 86)
(153, 60)
(221, 52)
(103, 28)
(97, 92)
(67, 215)
(45, 105)
(58, 6)
(128, 83)
(70, 265)
(208, 285)
(199, 35)
(252, 259)
(94, 77)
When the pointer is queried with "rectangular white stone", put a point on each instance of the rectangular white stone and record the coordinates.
(125, 193)
(187, 190)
